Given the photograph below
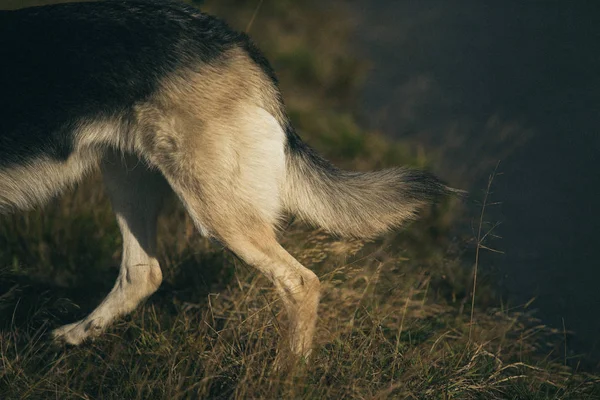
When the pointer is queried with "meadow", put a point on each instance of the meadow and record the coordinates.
(399, 316)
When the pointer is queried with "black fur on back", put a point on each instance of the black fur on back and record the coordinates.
(67, 62)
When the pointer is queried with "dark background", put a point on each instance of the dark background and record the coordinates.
(515, 82)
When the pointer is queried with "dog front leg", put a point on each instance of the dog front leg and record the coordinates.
(136, 195)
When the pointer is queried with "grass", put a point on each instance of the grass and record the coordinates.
(387, 328)
(398, 319)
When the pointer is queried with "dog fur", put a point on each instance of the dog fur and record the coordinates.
(164, 98)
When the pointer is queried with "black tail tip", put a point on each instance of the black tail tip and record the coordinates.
(424, 185)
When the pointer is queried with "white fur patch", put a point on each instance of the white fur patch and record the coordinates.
(260, 150)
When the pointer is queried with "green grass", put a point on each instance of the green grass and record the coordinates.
(394, 320)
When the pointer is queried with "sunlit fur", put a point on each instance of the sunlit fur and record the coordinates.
(212, 128)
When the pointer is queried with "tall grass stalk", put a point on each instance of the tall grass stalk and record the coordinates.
(480, 240)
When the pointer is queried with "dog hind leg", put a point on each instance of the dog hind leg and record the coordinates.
(297, 286)
(136, 195)
(228, 173)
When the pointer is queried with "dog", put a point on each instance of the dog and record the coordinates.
(161, 98)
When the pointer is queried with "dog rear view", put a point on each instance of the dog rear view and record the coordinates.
(162, 97)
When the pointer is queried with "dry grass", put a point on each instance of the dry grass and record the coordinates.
(388, 324)
(394, 322)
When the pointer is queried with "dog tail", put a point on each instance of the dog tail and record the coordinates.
(359, 204)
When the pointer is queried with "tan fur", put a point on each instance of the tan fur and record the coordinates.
(215, 134)
(351, 204)
(218, 142)
(35, 182)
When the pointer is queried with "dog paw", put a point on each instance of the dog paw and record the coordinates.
(73, 334)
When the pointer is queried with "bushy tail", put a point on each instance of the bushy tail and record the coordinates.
(354, 203)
